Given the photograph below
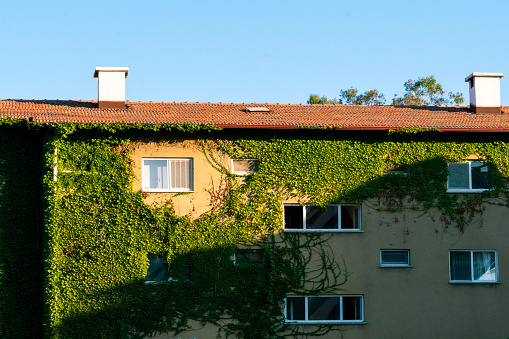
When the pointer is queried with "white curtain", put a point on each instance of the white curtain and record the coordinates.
(484, 266)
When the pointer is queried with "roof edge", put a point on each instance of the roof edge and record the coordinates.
(363, 128)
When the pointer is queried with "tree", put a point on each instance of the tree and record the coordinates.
(316, 99)
(372, 97)
(350, 97)
(421, 92)
(427, 92)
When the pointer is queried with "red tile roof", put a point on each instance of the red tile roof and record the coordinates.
(235, 115)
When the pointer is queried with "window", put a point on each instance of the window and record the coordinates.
(468, 176)
(251, 257)
(314, 218)
(325, 309)
(157, 269)
(396, 170)
(473, 266)
(167, 175)
(244, 166)
(395, 258)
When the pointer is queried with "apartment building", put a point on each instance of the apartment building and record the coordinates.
(197, 220)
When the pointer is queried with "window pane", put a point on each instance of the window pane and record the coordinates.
(157, 174)
(458, 176)
(349, 217)
(352, 308)
(480, 175)
(245, 165)
(397, 169)
(317, 218)
(395, 257)
(180, 170)
(324, 308)
(293, 217)
(484, 266)
(157, 269)
(295, 308)
(249, 257)
(461, 265)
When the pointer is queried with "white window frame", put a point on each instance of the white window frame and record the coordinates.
(472, 281)
(407, 264)
(339, 229)
(469, 189)
(396, 170)
(168, 278)
(146, 177)
(242, 172)
(310, 322)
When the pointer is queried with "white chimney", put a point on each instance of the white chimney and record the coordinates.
(485, 92)
(111, 86)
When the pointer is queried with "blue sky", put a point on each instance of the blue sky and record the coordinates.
(248, 51)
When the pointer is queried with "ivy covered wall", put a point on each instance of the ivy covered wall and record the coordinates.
(21, 230)
(98, 231)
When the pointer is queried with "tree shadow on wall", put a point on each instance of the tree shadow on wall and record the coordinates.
(423, 184)
(238, 294)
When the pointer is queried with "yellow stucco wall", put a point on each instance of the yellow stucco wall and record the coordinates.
(207, 182)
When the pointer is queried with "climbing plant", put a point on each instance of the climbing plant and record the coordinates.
(100, 232)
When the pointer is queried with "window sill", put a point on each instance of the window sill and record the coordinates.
(167, 282)
(396, 173)
(322, 231)
(167, 191)
(456, 282)
(322, 322)
(467, 190)
(396, 266)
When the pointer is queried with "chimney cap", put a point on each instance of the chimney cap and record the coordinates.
(482, 74)
(110, 69)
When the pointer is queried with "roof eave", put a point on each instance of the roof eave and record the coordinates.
(363, 128)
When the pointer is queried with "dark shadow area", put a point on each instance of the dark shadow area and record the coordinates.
(242, 299)
(455, 109)
(21, 234)
(64, 103)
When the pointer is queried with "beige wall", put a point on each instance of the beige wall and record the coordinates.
(416, 302)
(207, 182)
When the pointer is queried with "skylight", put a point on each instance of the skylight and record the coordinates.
(257, 109)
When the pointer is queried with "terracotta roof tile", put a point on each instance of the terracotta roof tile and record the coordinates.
(278, 116)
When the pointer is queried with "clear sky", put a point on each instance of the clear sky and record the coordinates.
(274, 51)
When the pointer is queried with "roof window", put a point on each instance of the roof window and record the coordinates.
(257, 109)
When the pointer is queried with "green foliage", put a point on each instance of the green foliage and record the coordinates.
(100, 231)
(351, 96)
(427, 92)
(352, 169)
(412, 130)
(372, 97)
(321, 100)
